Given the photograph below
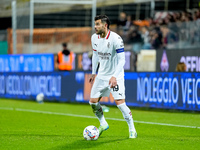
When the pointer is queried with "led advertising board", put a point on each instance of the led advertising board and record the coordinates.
(27, 63)
(144, 89)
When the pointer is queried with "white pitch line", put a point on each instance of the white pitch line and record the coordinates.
(84, 116)
(6, 108)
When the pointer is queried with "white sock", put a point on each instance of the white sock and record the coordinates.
(97, 109)
(127, 116)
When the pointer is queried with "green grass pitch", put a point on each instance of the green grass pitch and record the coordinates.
(27, 125)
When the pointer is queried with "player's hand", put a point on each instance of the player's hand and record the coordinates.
(91, 79)
(113, 82)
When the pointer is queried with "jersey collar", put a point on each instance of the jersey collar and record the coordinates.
(108, 34)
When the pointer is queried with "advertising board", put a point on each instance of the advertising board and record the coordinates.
(166, 60)
(27, 63)
(144, 89)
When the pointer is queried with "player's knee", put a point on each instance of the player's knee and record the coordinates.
(120, 101)
(93, 100)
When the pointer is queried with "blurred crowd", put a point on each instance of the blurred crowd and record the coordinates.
(157, 33)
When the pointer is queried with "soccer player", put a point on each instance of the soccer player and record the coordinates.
(108, 51)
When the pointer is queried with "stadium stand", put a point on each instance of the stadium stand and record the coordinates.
(174, 26)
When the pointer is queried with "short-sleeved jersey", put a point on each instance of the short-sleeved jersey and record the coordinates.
(106, 49)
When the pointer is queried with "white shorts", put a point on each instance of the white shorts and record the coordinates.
(101, 88)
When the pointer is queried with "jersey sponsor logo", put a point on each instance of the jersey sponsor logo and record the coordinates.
(104, 56)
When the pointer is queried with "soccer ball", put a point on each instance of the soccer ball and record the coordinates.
(40, 98)
(91, 133)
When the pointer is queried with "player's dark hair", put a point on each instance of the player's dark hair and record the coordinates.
(64, 44)
(104, 19)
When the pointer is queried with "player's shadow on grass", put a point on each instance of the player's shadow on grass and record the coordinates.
(83, 144)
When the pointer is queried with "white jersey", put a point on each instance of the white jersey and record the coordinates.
(109, 52)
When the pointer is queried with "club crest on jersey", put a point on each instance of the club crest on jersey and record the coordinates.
(108, 45)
